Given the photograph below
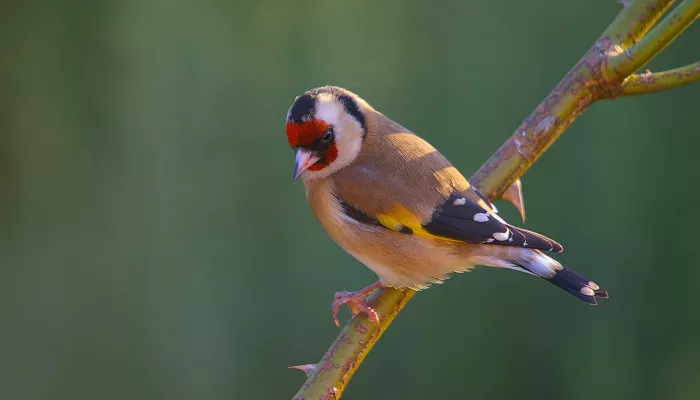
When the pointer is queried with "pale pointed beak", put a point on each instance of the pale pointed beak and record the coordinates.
(304, 159)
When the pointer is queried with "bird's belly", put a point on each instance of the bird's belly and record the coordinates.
(386, 273)
(399, 259)
(402, 260)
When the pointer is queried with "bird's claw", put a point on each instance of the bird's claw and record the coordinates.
(356, 303)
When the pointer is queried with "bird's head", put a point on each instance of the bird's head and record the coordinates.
(326, 128)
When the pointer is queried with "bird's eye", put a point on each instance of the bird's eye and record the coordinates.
(327, 135)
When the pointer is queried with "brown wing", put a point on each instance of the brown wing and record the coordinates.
(400, 181)
(396, 168)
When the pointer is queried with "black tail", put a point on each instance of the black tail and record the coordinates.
(535, 262)
(578, 285)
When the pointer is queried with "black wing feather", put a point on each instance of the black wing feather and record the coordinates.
(462, 219)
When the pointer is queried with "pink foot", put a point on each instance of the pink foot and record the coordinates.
(356, 303)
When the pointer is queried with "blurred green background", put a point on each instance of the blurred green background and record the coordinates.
(152, 245)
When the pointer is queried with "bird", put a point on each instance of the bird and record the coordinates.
(398, 206)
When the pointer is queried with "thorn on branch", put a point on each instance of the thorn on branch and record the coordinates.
(307, 369)
(514, 194)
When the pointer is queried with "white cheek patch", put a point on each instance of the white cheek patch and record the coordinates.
(327, 109)
(348, 135)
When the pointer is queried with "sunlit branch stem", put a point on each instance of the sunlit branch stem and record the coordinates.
(636, 18)
(651, 44)
(648, 82)
(598, 75)
(343, 357)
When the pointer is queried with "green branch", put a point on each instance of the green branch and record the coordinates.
(650, 45)
(648, 82)
(343, 357)
(598, 75)
(635, 20)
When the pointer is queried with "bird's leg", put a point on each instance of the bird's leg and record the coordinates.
(356, 303)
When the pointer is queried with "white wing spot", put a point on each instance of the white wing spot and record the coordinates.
(481, 217)
(587, 291)
(501, 235)
(460, 202)
(489, 240)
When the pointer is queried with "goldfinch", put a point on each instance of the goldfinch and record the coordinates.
(396, 204)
